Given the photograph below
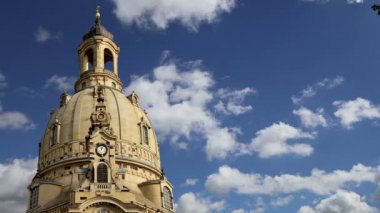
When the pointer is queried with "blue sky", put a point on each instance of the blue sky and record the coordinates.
(260, 106)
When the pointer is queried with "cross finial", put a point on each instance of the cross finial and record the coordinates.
(97, 15)
(376, 8)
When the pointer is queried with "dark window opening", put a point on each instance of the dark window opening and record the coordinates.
(108, 60)
(145, 135)
(53, 136)
(102, 173)
(89, 60)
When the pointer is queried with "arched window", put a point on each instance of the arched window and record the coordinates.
(102, 173)
(168, 199)
(88, 60)
(34, 197)
(145, 136)
(108, 60)
(53, 135)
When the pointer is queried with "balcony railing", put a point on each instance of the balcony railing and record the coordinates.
(102, 186)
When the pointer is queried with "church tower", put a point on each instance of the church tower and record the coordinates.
(99, 152)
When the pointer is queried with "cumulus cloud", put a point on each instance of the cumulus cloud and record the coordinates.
(193, 203)
(311, 119)
(318, 182)
(273, 141)
(191, 182)
(353, 111)
(43, 35)
(160, 13)
(326, 1)
(258, 210)
(282, 201)
(312, 90)
(61, 83)
(355, 1)
(342, 201)
(15, 177)
(178, 97)
(15, 120)
(231, 101)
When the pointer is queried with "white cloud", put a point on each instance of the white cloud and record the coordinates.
(191, 182)
(353, 111)
(330, 83)
(355, 1)
(311, 91)
(342, 201)
(306, 209)
(318, 182)
(15, 120)
(282, 201)
(326, 1)
(231, 101)
(273, 141)
(43, 35)
(193, 203)
(160, 13)
(15, 177)
(177, 97)
(258, 210)
(311, 119)
(61, 83)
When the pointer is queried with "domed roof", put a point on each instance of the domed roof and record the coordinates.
(74, 119)
(98, 29)
(99, 146)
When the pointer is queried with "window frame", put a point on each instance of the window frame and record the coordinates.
(144, 132)
(167, 198)
(102, 173)
(34, 195)
(55, 133)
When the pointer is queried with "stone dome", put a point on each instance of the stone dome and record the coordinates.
(99, 152)
(74, 120)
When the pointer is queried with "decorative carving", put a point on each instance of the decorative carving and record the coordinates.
(64, 99)
(133, 98)
(100, 118)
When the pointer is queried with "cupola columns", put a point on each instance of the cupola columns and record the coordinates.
(98, 58)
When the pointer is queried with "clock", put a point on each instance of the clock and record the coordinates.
(101, 149)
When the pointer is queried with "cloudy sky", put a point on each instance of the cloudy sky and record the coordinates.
(260, 106)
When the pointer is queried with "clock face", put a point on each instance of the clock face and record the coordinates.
(101, 149)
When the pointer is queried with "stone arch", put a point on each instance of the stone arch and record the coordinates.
(108, 59)
(88, 60)
(92, 205)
